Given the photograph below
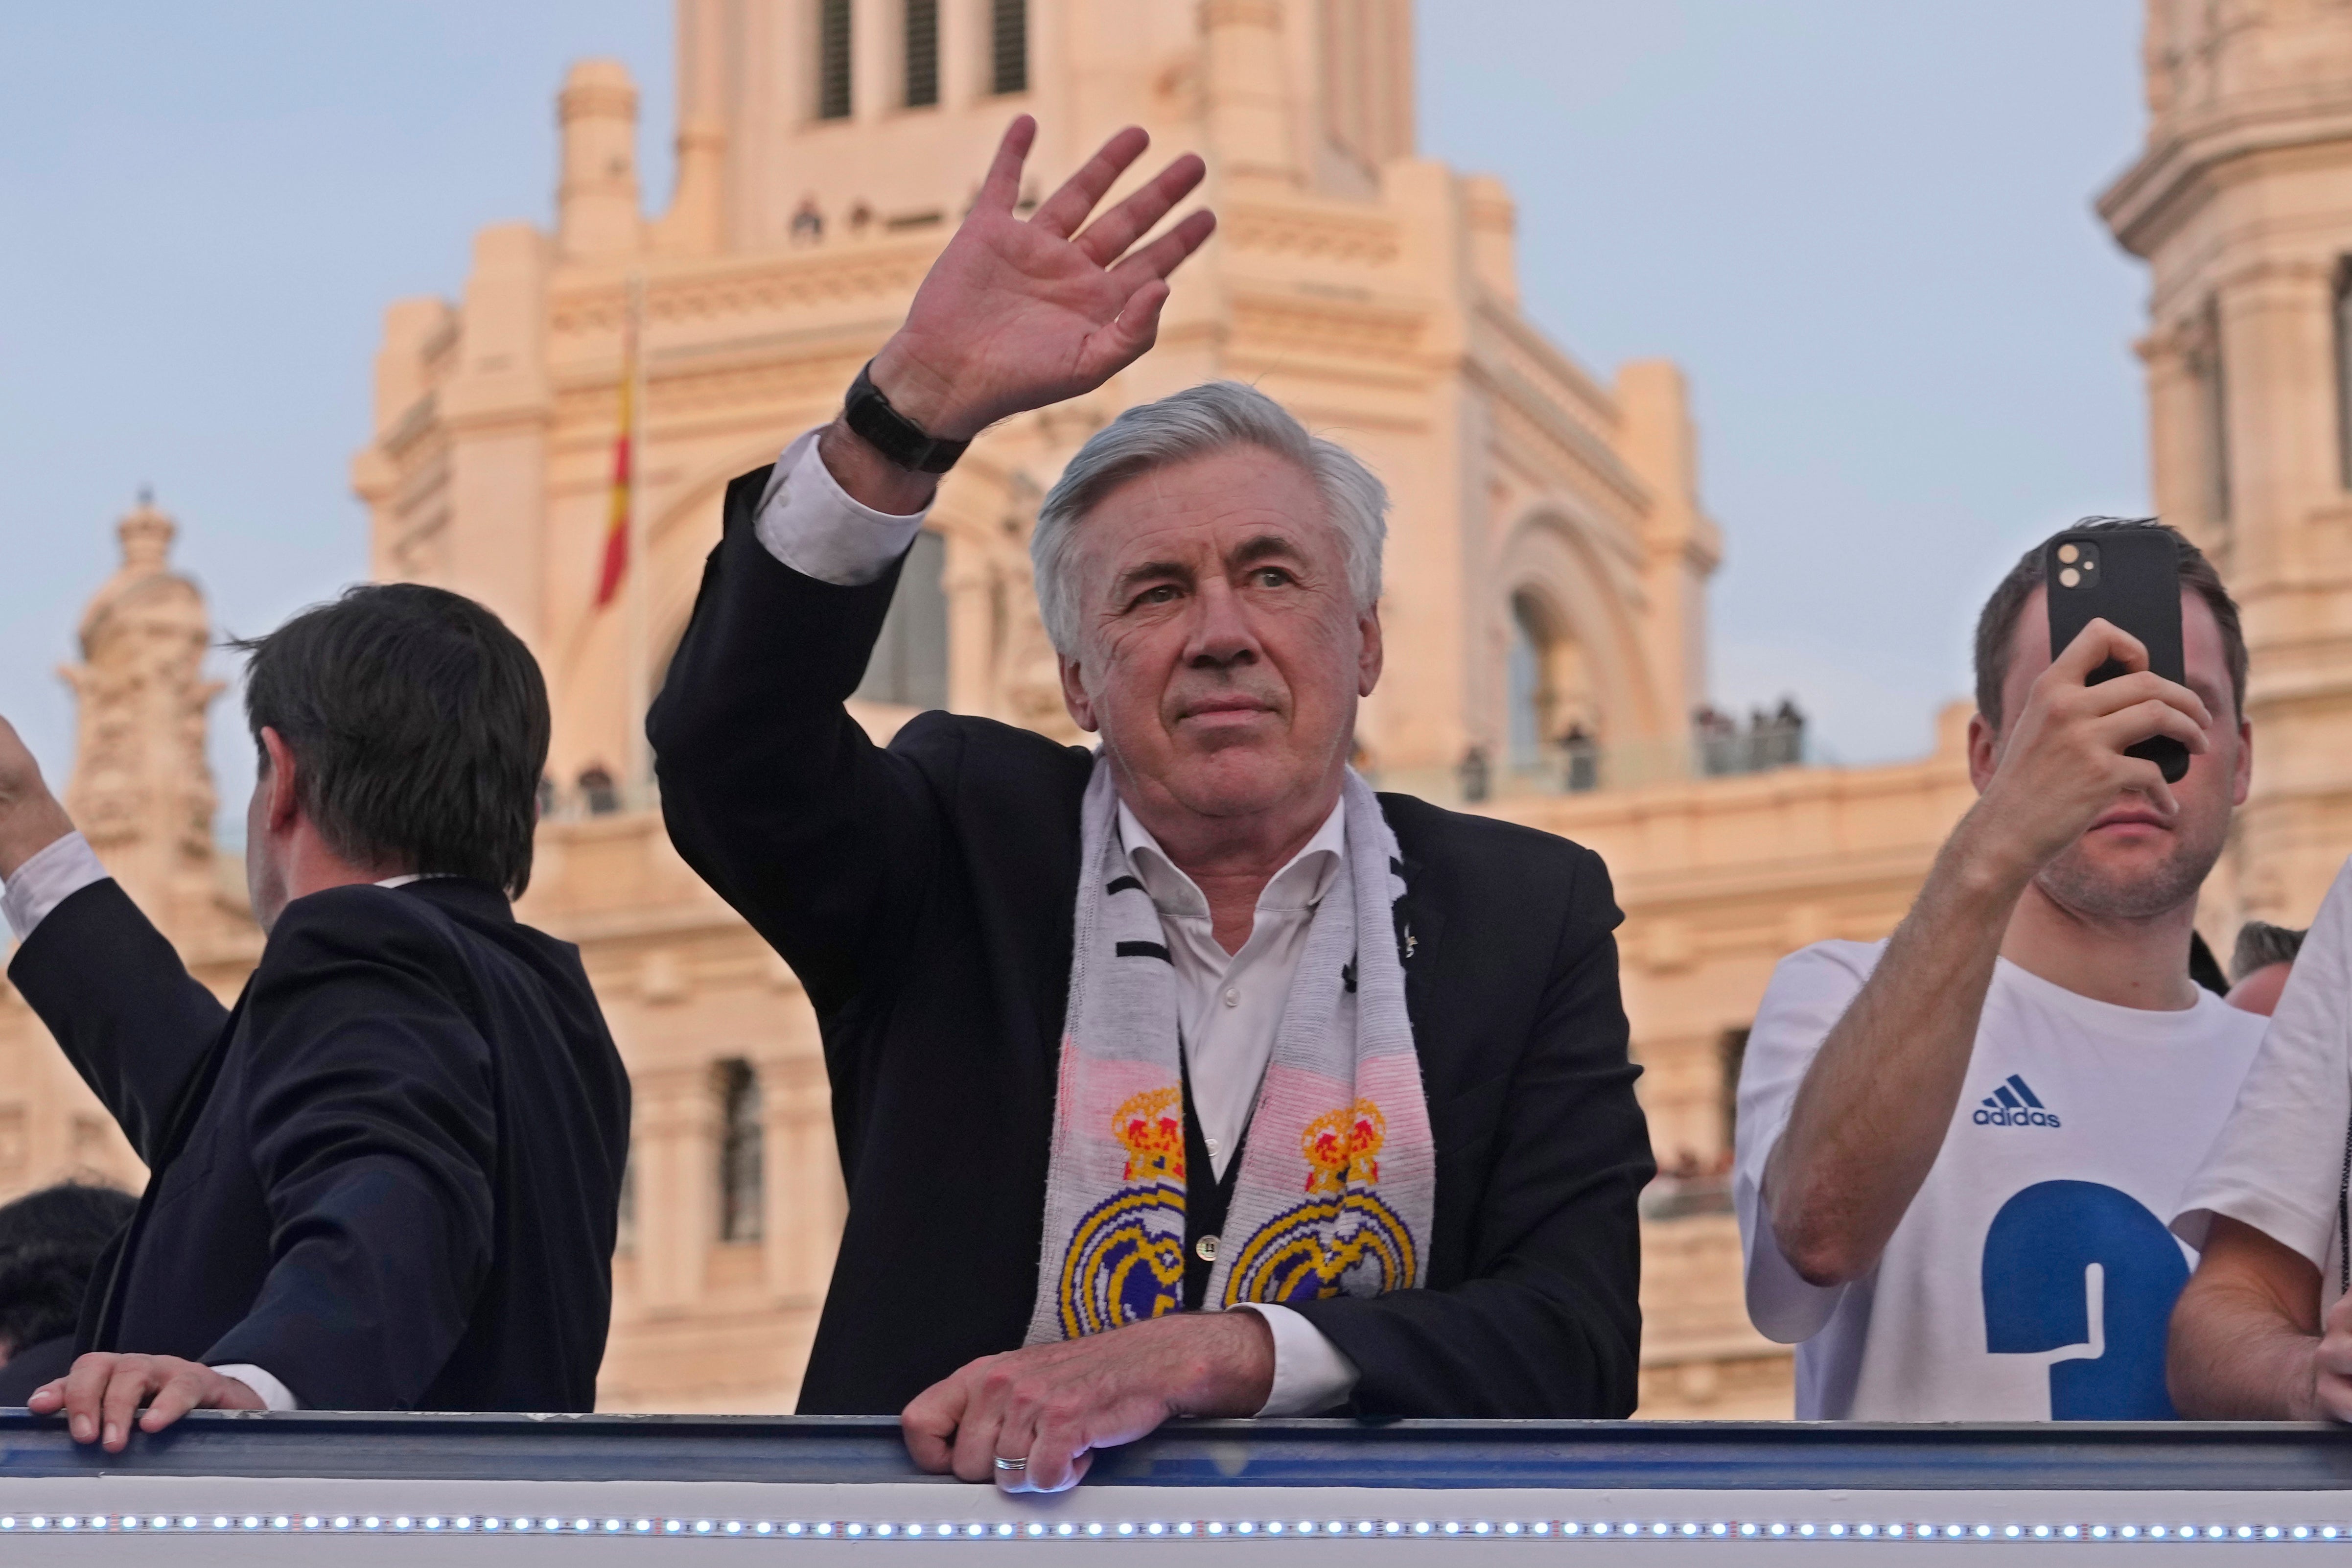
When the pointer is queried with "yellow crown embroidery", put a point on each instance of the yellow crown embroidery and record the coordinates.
(1153, 1138)
(1339, 1146)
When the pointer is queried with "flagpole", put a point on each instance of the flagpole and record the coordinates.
(637, 789)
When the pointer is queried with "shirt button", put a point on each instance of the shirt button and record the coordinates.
(1232, 996)
(1206, 1249)
(1215, 1148)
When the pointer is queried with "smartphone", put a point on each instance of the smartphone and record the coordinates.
(2128, 578)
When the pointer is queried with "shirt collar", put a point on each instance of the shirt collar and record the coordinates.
(1299, 885)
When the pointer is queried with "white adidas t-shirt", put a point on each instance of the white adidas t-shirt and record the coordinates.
(2033, 1276)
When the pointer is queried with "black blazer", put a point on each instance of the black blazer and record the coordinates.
(924, 895)
(389, 1176)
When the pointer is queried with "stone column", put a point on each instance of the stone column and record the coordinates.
(971, 632)
(677, 1161)
(806, 1202)
(1249, 107)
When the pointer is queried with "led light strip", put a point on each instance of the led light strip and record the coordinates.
(1034, 1530)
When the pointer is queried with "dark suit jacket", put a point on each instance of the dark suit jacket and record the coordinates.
(924, 895)
(389, 1176)
(44, 1361)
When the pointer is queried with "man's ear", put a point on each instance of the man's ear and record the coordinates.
(279, 779)
(1984, 750)
(1371, 653)
(1074, 693)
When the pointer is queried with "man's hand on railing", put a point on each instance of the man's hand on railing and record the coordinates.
(1019, 313)
(104, 1391)
(1030, 1419)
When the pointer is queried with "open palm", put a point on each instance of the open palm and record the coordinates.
(1016, 314)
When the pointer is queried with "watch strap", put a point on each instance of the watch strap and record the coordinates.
(894, 435)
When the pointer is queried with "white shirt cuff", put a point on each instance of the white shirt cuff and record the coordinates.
(275, 1394)
(1311, 1374)
(47, 879)
(813, 526)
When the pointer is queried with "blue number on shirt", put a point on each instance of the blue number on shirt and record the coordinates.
(2036, 1298)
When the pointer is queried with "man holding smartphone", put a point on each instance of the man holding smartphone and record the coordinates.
(1957, 1148)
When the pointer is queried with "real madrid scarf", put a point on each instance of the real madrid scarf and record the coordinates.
(1337, 1174)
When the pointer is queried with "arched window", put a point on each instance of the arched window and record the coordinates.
(909, 665)
(832, 79)
(1008, 45)
(1551, 692)
(742, 1181)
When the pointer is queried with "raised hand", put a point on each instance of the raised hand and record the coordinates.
(30, 817)
(1016, 314)
(2062, 762)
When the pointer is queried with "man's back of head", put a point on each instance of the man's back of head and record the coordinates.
(417, 726)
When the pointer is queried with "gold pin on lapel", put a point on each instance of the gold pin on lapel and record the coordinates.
(1409, 944)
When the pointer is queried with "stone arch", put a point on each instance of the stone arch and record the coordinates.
(1566, 588)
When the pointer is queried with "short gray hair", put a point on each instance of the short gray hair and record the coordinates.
(1193, 423)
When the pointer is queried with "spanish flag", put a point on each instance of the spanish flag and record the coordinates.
(616, 525)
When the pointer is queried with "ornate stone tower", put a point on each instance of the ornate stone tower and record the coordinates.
(141, 789)
(142, 792)
(2241, 202)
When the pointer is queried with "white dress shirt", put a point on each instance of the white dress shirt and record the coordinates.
(1230, 1005)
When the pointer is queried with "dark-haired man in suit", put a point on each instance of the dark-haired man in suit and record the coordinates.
(389, 1177)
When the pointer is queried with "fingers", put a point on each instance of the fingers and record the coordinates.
(134, 1379)
(1126, 340)
(85, 1387)
(2143, 685)
(190, 1387)
(1164, 254)
(928, 1425)
(1054, 1454)
(1106, 238)
(2094, 646)
(48, 1399)
(1067, 208)
(980, 1438)
(1002, 187)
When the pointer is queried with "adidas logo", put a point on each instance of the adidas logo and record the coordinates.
(2014, 1105)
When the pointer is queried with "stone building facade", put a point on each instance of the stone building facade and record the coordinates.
(1546, 575)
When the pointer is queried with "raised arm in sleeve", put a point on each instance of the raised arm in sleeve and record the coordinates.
(372, 1123)
(1548, 1321)
(134, 1023)
(770, 791)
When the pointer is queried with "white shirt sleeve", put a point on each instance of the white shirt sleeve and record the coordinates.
(1808, 993)
(813, 526)
(275, 1395)
(47, 879)
(2279, 1163)
(1311, 1374)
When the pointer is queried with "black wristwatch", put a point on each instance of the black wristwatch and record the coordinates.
(894, 435)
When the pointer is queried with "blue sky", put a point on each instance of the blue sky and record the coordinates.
(1864, 230)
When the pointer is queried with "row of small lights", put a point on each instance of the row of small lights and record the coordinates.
(796, 1529)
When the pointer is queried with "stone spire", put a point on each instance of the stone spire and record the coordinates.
(141, 790)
